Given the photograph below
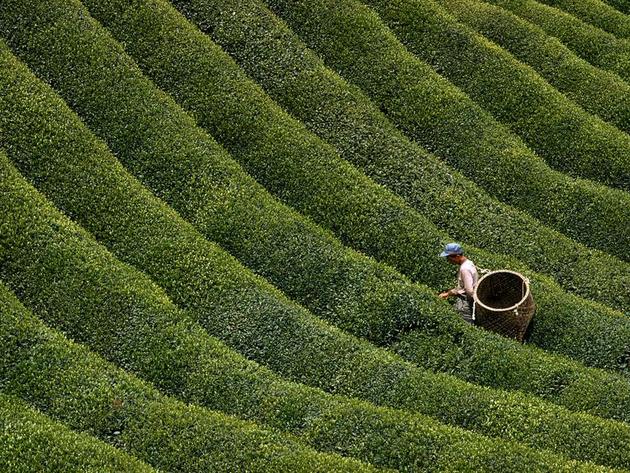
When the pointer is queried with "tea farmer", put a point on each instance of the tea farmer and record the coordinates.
(467, 278)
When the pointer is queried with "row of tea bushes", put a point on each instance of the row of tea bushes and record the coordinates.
(75, 284)
(341, 115)
(598, 47)
(569, 139)
(80, 288)
(77, 172)
(597, 91)
(32, 442)
(352, 39)
(381, 325)
(70, 384)
(621, 5)
(305, 262)
(594, 342)
(598, 13)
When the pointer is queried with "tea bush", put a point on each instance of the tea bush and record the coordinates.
(30, 441)
(228, 301)
(352, 40)
(323, 180)
(368, 300)
(569, 139)
(597, 13)
(598, 47)
(599, 92)
(70, 384)
(78, 287)
(345, 118)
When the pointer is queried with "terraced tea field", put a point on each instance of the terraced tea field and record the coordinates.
(220, 223)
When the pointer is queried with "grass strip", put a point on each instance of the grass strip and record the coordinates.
(250, 315)
(366, 299)
(597, 91)
(598, 47)
(70, 384)
(32, 442)
(361, 134)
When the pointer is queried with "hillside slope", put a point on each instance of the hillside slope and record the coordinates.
(125, 226)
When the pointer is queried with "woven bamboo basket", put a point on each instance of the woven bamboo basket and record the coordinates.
(504, 303)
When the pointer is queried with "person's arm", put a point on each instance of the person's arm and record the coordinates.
(451, 292)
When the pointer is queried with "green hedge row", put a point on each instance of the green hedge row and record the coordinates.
(621, 5)
(363, 298)
(444, 120)
(392, 308)
(597, 13)
(323, 186)
(598, 47)
(599, 92)
(70, 384)
(78, 286)
(57, 153)
(581, 210)
(569, 139)
(32, 442)
(158, 343)
(341, 115)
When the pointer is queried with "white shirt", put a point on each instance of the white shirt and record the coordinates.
(467, 278)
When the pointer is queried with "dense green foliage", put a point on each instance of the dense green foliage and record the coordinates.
(229, 302)
(31, 442)
(570, 140)
(157, 342)
(348, 289)
(345, 118)
(68, 383)
(621, 5)
(567, 325)
(596, 46)
(352, 39)
(172, 307)
(597, 91)
(597, 13)
(128, 320)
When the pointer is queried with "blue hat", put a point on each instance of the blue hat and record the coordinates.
(452, 249)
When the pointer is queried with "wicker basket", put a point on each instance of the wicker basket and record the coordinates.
(504, 303)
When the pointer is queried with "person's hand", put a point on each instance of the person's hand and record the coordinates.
(444, 295)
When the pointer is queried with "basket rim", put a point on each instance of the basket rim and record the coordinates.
(525, 296)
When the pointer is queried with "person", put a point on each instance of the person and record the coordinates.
(467, 277)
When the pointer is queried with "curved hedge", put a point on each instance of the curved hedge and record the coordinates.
(32, 442)
(158, 343)
(621, 5)
(391, 307)
(599, 92)
(569, 139)
(238, 307)
(77, 285)
(444, 120)
(598, 47)
(365, 299)
(597, 13)
(341, 115)
(70, 384)
(327, 189)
